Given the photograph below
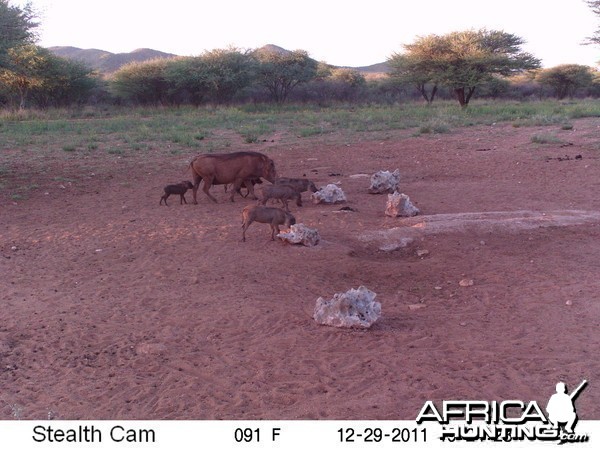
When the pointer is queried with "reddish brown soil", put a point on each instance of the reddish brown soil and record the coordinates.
(115, 307)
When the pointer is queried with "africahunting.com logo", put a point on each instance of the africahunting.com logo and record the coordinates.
(511, 420)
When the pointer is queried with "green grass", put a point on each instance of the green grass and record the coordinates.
(80, 136)
(120, 130)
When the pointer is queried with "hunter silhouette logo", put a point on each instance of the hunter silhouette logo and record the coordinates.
(509, 420)
(561, 407)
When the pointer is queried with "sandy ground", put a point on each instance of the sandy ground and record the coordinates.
(113, 307)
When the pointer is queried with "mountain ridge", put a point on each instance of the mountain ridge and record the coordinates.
(107, 62)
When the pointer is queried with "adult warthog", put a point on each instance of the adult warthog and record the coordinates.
(237, 168)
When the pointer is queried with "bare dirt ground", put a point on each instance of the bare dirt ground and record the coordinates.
(113, 307)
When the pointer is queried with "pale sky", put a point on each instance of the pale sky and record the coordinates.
(343, 33)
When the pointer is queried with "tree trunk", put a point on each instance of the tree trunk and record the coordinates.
(463, 96)
(460, 96)
(470, 92)
(433, 92)
(22, 96)
(423, 91)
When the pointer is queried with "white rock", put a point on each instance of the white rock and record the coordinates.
(399, 205)
(393, 246)
(384, 181)
(301, 234)
(416, 306)
(355, 308)
(329, 194)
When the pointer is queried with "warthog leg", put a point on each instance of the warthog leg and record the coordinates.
(197, 180)
(206, 187)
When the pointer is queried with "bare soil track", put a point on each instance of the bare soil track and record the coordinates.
(113, 307)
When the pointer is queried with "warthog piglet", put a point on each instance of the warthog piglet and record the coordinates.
(265, 214)
(299, 184)
(282, 193)
(176, 189)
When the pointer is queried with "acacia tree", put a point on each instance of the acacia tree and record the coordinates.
(228, 71)
(23, 71)
(143, 82)
(17, 26)
(414, 68)
(34, 73)
(462, 61)
(64, 81)
(280, 72)
(188, 80)
(565, 79)
(595, 38)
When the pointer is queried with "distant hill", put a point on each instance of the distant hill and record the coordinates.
(270, 48)
(382, 67)
(107, 62)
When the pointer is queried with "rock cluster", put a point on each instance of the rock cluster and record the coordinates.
(329, 194)
(355, 308)
(301, 234)
(399, 205)
(385, 181)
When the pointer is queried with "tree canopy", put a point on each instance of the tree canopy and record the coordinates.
(143, 82)
(566, 79)
(595, 38)
(280, 72)
(462, 61)
(17, 26)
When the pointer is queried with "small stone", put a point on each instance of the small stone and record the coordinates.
(466, 282)
(416, 306)
(438, 288)
(568, 302)
(463, 324)
(422, 253)
(14, 248)
(148, 348)
(392, 247)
